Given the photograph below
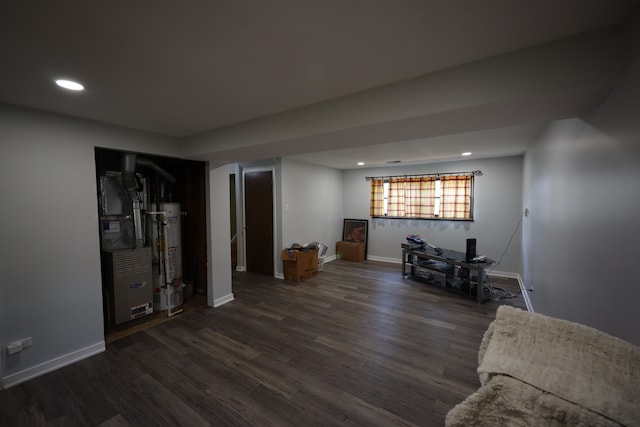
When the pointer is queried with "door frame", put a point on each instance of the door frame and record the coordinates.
(245, 171)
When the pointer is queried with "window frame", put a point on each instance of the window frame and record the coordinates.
(437, 198)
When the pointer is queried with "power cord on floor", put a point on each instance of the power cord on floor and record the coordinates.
(497, 294)
(508, 244)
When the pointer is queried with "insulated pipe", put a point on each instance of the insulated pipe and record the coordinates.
(131, 186)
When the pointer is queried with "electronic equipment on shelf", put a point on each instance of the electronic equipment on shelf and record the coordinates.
(448, 269)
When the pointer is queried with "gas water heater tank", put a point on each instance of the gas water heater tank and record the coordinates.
(174, 245)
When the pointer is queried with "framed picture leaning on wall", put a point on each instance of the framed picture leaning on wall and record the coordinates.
(356, 230)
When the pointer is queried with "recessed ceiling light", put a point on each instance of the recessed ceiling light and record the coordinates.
(360, 163)
(70, 85)
(466, 153)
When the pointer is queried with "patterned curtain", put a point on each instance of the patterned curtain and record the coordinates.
(420, 196)
(377, 198)
(415, 197)
(396, 203)
(455, 201)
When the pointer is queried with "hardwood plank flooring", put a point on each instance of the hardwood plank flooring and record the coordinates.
(356, 345)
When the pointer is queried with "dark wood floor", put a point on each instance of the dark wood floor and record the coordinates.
(355, 345)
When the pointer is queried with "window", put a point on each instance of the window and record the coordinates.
(448, 196)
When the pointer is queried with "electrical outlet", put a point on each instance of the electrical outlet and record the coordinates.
(14, 347)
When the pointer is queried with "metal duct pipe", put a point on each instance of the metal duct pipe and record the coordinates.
(128, 170)
(166, 175)
(129, 162)
(130, 184)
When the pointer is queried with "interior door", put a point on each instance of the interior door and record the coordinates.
(258, 207)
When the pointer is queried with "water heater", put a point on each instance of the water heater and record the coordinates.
(173, 240)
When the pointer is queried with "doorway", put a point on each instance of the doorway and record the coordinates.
(258, 212)
(234, 222)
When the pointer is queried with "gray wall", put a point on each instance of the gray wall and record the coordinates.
(313, 201)
(307, 206)
(50, 286)
(311, 204)
(498, 203)
(582, 185)
(219, 289)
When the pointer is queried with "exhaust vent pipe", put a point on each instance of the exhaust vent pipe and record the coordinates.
(130, 184)
(163, 173)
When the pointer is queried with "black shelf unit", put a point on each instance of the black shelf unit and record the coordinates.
(446, 269)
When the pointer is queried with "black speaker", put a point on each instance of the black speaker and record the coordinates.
(471, 249)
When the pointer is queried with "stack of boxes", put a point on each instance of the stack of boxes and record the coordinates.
(299, 264)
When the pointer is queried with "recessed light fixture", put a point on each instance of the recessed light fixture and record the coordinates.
(466, 153)
(70, 85)
(360, 163)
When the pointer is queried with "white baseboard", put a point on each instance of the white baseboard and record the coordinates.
(527, 301)
(507, 274)
(523, 291)
(222, 300)
(525, 295)
(383, 259)
(52, 365)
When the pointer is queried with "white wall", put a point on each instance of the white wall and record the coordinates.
(582, 185)
(497, 211)
(311, 205)
(218, 248)
(51, 287)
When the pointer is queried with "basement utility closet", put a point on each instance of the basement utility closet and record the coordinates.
(152, 225)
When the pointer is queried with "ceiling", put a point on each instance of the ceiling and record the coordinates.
(183, 68)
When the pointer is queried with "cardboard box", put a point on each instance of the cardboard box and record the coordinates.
(351, 251)
(299, 265)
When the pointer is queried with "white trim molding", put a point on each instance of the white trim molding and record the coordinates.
(223, 300)
(523, 290)
(52, 365)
